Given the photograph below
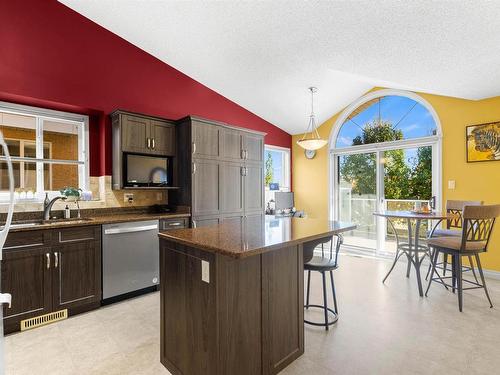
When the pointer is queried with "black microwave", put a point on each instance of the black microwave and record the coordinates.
(146, 170)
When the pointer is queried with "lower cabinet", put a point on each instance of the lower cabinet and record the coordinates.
(76, 275)
(50, 270)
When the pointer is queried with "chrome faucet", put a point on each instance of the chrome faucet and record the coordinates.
(47, 206)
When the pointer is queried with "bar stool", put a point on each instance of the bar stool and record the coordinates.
(327, 262)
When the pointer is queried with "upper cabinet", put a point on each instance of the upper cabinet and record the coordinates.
(143, 134)
(205, 140)
(140, 134)
(253, 146)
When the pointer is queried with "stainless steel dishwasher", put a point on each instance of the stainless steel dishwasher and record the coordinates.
(130, 257)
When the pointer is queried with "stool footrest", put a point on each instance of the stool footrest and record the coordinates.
(330, 322)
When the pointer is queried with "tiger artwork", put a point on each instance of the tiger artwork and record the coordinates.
(483, 142)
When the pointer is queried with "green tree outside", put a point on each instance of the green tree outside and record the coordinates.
(268, 178)
(402, 180)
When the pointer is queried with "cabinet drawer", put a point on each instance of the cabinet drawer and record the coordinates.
(77, 234)
(27, 239)
(166, 224)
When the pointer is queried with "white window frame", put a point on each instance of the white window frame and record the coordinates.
(286, 165)
(435, 141)
(41, 115)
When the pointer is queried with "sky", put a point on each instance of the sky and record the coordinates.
(412, 118)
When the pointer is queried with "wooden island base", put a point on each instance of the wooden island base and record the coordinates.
(232, 295)
(248, 319)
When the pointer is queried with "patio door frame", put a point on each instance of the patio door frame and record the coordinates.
(379, 148)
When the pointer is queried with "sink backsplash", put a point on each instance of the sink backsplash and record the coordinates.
(104, 197)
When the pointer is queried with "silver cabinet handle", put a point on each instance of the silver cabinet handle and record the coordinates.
(242, 154)
(149, 142)
(194, 223)
(242, 171)
(174, 224)
(130, 229)
(153, 143)
(246, 154)
(194, 168)
(194, 148)
(47, 255)
(56, 259)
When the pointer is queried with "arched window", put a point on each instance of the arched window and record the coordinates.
(384, 155)
(386, 118)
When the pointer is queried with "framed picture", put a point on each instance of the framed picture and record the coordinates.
(483, 142)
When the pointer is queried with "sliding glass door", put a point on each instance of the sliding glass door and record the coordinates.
(387, 178)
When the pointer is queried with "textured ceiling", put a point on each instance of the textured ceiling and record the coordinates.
(264, 55)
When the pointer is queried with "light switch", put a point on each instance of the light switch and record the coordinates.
(451, 184)
(205, 271)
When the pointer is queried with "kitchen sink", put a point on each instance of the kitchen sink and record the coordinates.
(45, 223)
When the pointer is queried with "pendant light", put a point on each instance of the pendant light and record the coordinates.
(312, 141)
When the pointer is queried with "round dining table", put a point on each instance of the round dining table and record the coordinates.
(411, 246)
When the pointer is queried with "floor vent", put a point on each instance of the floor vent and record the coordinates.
(42, 320)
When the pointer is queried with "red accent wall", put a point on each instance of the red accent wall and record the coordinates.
(55, 58)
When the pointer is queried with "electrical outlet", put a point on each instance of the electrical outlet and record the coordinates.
(159, 196)
(451, 184)
(128, 198)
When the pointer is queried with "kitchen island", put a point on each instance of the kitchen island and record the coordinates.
(232, 294)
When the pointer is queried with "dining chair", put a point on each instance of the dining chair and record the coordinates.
(326, 263)
(453, 228)
(477, 225)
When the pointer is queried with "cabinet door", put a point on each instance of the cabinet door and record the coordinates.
(162, 136)
(232, 187)
(26, 275)
(254, 188)
(205, 138)
(232, 144)
(205, 187)
(254, 146)
(77, 268)
(135, 134)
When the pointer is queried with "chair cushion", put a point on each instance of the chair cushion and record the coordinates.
(454, 243)
(445, 232)
(318, 263)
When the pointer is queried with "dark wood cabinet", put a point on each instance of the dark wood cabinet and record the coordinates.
(77, 267)
(206, 187)
(220, 169)
(246, 318)
(50, 270)
(134, 134)
(162, 135)
(141, 134)
(254, 187)
(205, 142)
(233, 175)
(26, 275)
(253, 145)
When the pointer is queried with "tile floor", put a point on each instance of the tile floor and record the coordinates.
(383, 329)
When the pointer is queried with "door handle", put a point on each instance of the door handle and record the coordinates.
(153, 143)
(194, 223)
(194, 148)
(47, 255)
(56, 259)
(194, 168)
(149, 142)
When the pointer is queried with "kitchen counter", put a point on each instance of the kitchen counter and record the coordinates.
(116, 216)
(256, 236)
(232, 294)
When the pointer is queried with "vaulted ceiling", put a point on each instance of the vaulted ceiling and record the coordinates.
(264, 55)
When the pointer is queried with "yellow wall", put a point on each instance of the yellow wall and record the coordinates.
(474, 181)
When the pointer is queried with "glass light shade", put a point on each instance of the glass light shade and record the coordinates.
(312, 144)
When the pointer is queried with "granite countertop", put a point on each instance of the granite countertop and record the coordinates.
(255, 235)
(95, 219)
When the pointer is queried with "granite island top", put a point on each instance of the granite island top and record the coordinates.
(254, 236)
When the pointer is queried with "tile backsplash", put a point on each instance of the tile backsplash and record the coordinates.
(103, 197)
